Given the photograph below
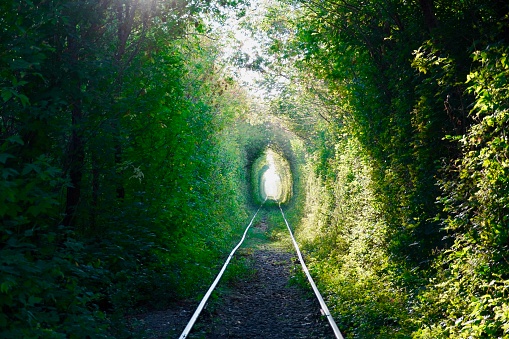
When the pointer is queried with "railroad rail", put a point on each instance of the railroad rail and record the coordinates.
(324, 308)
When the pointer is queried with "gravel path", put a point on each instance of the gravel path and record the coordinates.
(264, 306)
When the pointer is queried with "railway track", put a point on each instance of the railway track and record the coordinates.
(323, 307)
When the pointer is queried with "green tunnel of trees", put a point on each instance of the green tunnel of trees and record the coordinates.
(272, 164)
(131, 157)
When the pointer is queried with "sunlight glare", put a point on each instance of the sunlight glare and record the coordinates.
(272, 184)
(271, 180)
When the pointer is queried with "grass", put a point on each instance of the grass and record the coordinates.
(256, 236)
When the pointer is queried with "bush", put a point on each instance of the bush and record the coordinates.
(42, 267)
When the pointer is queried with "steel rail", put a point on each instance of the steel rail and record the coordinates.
(324, 307)
(191, 322)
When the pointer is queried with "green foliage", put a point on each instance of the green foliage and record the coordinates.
(123, 143)
(120, 172)
(397, 79)
(345, 239)
(43, 268)
(470, 293)
(255, 140)
(281, 166)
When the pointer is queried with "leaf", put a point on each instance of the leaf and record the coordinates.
(6, 94)
(5, 156)
(31, 167)
(16, 139)
(32, 300)
(6, 286)
(7, 172)
(24, 99)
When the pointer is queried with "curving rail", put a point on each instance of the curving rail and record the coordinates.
(324, 308)
(191, 322)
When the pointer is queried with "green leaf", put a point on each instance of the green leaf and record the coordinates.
(34, 300)
(6, 94)
(5, 156)
(31, 167)
(16, 139)
(24, 99)
(6, 286)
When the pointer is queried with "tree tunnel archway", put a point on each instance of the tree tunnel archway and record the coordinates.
(272, 177)
(273, 151)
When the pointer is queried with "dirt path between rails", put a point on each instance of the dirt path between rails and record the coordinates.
(265, 305)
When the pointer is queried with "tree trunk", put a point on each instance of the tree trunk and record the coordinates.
(428, 10)
(76, 159)
(118, 163)
(95, 191)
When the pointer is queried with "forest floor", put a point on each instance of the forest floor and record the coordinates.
(266, 303)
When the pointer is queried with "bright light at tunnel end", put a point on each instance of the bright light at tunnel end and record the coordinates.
(272, 177)
(271, 181)
(272, 184)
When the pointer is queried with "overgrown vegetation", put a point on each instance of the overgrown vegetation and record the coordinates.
(122, 182)
(127, 152)
(402, 106)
